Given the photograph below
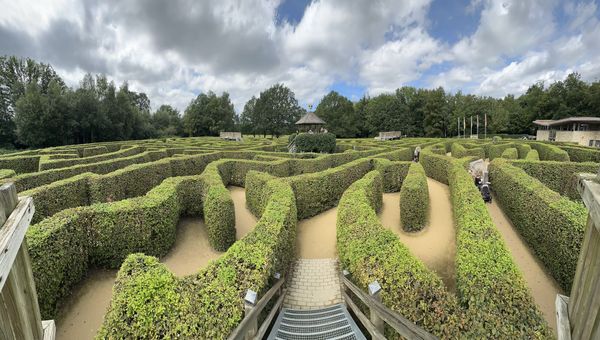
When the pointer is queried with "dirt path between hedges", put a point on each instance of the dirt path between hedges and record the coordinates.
(435, 245)
(543, 287)
(82, 315)
(316, 237)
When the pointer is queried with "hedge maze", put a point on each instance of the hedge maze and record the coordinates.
(117, 205)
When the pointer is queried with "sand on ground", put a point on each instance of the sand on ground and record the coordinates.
(244, 219)
(435, 244)
(316, 236)
(543, 287)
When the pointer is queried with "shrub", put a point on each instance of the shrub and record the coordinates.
(582, 154)
(532, 155)
(315, 142)
(20, 164)
(557, 176)
(371, 252)
(414, 199)
(393, 173)
(496, 150)
(7, 173)
(459, 151)
(549, 152)
(63, 163)
(402, 154)
(523, 149)
(490, 288)
(510, 153)
(219, 213)
(93, 151)
(436, 166)
(538, 212)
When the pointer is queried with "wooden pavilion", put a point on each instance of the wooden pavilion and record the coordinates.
(310, 122)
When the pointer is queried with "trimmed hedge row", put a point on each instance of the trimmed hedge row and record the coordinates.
(510, 153)
(532, 155)
(149, 302)
(435, 165)
(496, 150)
(402, 154)
(315, 142)
(7, 173)
(582, 154)
(549, 152)
(63, 163)
(490, 288)
(20, 164)
(523, 149)
(371, 252)
(459, 151)
(551, 224)
(414, 199)
(94, 151)
(393, 173)
(557, 176)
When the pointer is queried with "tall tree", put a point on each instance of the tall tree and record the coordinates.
(209, 114)
(167, 121)
(436, 114)
(276, 110)
(338, 112)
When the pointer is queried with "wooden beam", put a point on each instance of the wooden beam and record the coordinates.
(8, 201)
(12, 235)
(562, 318)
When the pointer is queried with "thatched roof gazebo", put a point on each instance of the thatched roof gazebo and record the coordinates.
(310, 122)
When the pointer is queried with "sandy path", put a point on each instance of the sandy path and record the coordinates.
(316, 236)
(244, 220)
(543, 287)
(435, 244)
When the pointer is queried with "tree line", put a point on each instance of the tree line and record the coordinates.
(37, 109)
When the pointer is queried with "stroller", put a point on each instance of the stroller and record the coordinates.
(486, 194)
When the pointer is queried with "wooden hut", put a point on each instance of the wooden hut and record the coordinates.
(310, 122)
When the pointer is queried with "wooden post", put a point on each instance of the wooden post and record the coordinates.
(249, 303)
(583, 307)
(376, 320)
(19, 311)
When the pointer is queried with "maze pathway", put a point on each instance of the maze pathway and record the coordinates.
(314, 284)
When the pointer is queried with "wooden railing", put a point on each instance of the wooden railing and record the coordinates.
(379, 313)
(248, 328)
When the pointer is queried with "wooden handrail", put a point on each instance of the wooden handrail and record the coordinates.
(240, 332)
(403, 326)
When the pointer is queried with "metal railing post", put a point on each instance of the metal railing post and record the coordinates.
(374, 291)
(249, 303)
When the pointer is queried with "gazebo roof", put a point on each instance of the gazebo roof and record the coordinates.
(310, 118)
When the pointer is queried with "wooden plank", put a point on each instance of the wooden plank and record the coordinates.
(49, 329)
(12, 235)
(562, 317)
(24, 276)
(363, 318)
(6, 331)
(265, 325)
(587, 313)
(8, 201)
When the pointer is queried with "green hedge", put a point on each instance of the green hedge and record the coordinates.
(549, 152)
(551, 224)
(148, 302)
(63, 163)
(219, 212)
(393, 173)
(414, 199)
(557, 176)
(7, 173)
(582, 154)
(315, 142)
(20, 164)
(510, 153)
(532, 155)
(459, 151)
(523, 149)
(490, 288)
(436, 166)
(496, 150)
(402, 154)
(371, 252)
(94, 151)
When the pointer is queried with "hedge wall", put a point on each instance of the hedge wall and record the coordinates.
(315, 142)
(523, 149)
(207, 305)
(490, 288)
(219, 212)
(496, 150)
(551, 224)
(371, 252)
(510, 153)
(532, 155)
(20, 164)
(436, 166)
(63, 163)
(558, 176)
(94, 151)
(414, 199)
(582, 154)
(402, 154)
(549, 152)
(393, 173)
(7, 173)
(459, 151)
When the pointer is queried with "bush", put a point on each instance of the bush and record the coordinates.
(532, 155)
(496, 150)
(459, 151)
(7, 173)
(219, 212)
(63, 163)
(549, 152)
(393, 173)
(582, 154)
(538, 212)
(402, 154)
(523, 149)
(414, 199)
(436, 166)
(510, 153)
(93, 151)
(557, 176)
(20, 164)
(371, 252)
(490, 288)
(315, 142)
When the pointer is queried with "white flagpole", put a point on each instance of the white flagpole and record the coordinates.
(477, 126)
(464, 126)
(485, 125)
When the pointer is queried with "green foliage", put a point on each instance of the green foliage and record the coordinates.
(274, 112)
(532, 155)
(393, 173)
(490, 288)
(209, 114)
(94, 151)
(496, 150)
(582, 154)
(7, 173)
(510, 153)
(414, 199)
(557, 176)
(549, 152)
(338, 112)
(371, 252)
(101, 156)
(219, 213)
(536, 211)
(167, 122)
(459, 151)
(20, 164)
(315, 142)
(435, 165)
(523, 149)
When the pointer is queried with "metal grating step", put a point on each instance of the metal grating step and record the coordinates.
(332, 322)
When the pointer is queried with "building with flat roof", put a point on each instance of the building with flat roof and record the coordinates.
(581, 130)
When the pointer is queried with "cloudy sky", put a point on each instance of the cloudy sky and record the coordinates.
(174, 50)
